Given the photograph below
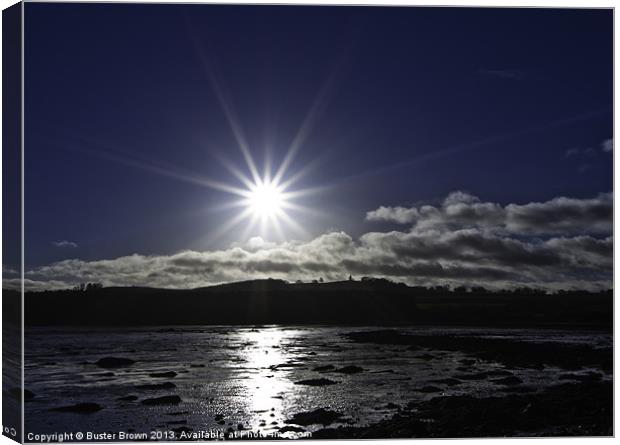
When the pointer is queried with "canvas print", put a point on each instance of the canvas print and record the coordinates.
(306, 222)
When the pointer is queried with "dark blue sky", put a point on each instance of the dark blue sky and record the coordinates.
(419, 102)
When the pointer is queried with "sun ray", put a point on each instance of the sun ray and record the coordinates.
(226, 104)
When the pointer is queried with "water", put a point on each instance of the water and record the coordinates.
(247, 375)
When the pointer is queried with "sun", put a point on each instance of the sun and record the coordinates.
(265, 199)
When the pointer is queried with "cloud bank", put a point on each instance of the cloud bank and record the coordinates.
(562, 243)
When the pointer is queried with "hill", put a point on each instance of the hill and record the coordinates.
(371, 302)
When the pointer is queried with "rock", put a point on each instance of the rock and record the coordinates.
(127, 398)
(293, 429)
(218, 417)
(429, 389)
(392, 406)
(165, 400)
(324, 368)
(498, 373)
(166, 375)
(182, 429)
(425, 356)
(285, 366)
(477, 376)
(589, 377)
(197, 366)
(104, 374)
(350, 370)
(449, 381)
(157, 386)
(508, 381)
(316, 382)
(319, 416)
(114, 362)
(80, 408)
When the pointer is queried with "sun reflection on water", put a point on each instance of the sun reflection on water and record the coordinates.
(267, 384)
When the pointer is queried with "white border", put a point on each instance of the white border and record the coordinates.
(479, 3)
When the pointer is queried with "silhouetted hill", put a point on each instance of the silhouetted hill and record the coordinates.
(370, 302)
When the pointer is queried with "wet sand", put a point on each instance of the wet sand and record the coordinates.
(294, 381)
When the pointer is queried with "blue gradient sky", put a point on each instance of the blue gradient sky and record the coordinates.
(413, 103)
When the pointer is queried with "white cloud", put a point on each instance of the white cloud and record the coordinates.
(607, 145)
(64, 243)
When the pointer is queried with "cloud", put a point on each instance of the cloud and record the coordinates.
(559, 243)
(64, 243)
(400, 215)
(558, 216)
(607, 145)
(583, 152)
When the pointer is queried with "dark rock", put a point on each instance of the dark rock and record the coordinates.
(508, 381)
(319, 416)
(293, 429)
(197, 366)
(157, 386)
(316, 382)
(498, 373)
(477, 376)
(166, 375)
(114, 362)
(127, 398)
(324, 368)
(448, 381)
(165, 400)
(589, 377)
(350, 370)
(429, 389)
(182, 429)
(80, 408)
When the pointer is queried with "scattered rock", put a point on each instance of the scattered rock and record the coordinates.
(316, 382)
(508, 381)
(324, 368)
(449, 381)
(114, 362)
(589, 377)
(319, 416)
(182, 429)
(293, 429)
(80, 408)
(157, 386)
(477, 376)
(166, 375)
(350, 370)
(429, 389)
(165, 400)
(498, 373)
